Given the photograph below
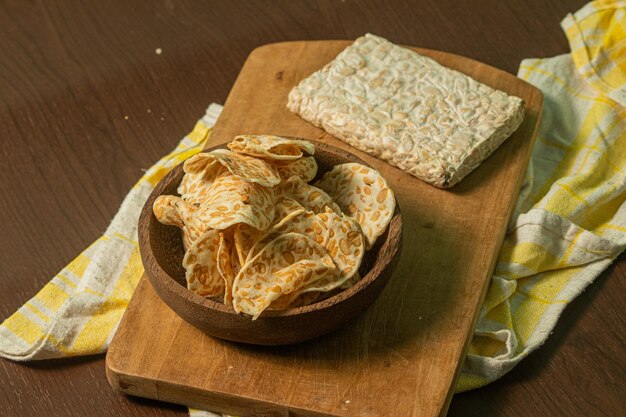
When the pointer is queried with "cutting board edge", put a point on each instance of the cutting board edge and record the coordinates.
(165, 390)
(518, 186)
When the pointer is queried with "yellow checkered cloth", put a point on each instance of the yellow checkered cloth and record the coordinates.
(569, 223)
(570, 219)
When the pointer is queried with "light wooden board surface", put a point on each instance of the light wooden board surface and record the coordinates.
(401, 358)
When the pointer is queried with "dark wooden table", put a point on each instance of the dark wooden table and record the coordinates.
(86, 103)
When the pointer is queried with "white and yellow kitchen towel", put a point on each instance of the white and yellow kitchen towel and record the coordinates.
(570, 219)
(569, 224)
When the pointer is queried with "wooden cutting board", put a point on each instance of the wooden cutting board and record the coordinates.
(402, 357)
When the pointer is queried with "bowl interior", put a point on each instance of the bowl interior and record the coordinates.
(167, 248)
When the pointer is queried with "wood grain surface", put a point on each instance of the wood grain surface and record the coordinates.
(69, 74)
(402, 356)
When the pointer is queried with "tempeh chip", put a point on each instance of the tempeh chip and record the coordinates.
(243, 166)
(226, 266)
(232, 200)
(271, 147)
(174, 211)
(310, 197)
(295, 299)
(244, 238)
(167, 212)
(343, 240)
(305, 168)
(195, 185)
(340, 236)
(283, 266)
(200, 263)
(361, 192)
(286, 208)
(302, 222)
(344, 243)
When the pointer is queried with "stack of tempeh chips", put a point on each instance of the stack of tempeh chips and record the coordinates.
(257, 235)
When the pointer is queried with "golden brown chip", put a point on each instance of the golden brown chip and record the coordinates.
(271, 147)
(286, 208)
(244, 238)
(225, 266)
(195, 185)
(298, 221)
(174, 211)
(295, 299)
(305, 168)
(362, 193)
(200, 263)
(243, 166)
(309, 294)
(232, 200)
(234, 262)
(286, 264)
(167, 212)
(340, 236)
(345, 243)
(310, 197)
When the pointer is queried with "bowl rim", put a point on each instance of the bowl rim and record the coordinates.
(156, 271)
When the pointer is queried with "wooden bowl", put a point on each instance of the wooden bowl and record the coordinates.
(162, 253)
